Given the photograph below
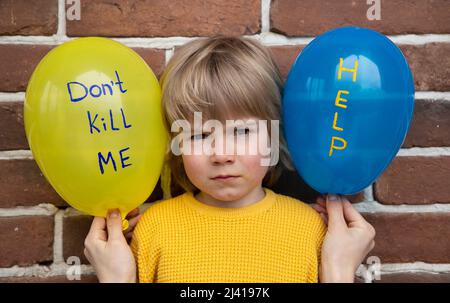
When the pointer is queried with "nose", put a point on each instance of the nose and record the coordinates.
(220, 154)
(222, 158)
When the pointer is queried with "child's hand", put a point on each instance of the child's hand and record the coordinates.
(107, 250)
(347, 242)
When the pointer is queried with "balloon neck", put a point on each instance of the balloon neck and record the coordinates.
(125, 224)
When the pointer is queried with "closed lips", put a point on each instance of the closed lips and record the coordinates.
(225, 176)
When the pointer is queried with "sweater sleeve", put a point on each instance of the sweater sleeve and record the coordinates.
(322, 233)
(319, 230)
(145, 248)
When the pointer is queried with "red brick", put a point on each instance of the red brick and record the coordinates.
(414, 277)
(18, 61)
(26, 240)
(155, 58)
(285, 56)
(22, 184)
(158, 18)
(415, 180)
(356, 198)
(430, 125)
(430, 65)
(411, 237)
(50, 279)
(75, 229)
(311, 17)
(23, 17)
(12, 132)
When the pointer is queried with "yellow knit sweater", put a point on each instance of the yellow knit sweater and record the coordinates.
(277, 239)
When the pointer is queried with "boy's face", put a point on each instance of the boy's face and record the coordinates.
(228, 166)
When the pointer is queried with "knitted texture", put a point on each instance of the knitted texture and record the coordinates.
(277, 239)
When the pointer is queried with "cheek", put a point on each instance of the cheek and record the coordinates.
(253, 166)
(193, 166)
(253, 162)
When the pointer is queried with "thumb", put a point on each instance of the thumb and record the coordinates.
(353, 217)
(114, 225)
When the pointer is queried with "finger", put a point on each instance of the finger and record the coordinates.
(323, 203)
(97, 230)
(335, 212)
(351, 215)
(132, 213)
(321, 200)
(114, 225)
(132, 224)
(319, 208)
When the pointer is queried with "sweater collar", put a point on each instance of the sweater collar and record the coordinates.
(265, 203)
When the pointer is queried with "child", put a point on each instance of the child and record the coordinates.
(228, 226)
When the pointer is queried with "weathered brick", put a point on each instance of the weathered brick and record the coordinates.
(12, 132)
(356, 198)
(285, 56)
(414, 277)
(411, 237)
(155, 58)
(18, 61)
(75, 229)
(50, 279)
(22, 184)
(415, 180)
(430, 125)
(311, 17)
(158, 18)
(430, 65)
(25, 240)
(22, 17)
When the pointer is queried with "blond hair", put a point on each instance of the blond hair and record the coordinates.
(222, 77)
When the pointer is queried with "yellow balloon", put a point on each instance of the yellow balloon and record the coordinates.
(94, 124)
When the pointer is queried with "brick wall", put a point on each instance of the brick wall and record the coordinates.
(409, 205)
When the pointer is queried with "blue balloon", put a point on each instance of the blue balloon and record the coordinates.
(347, 106)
